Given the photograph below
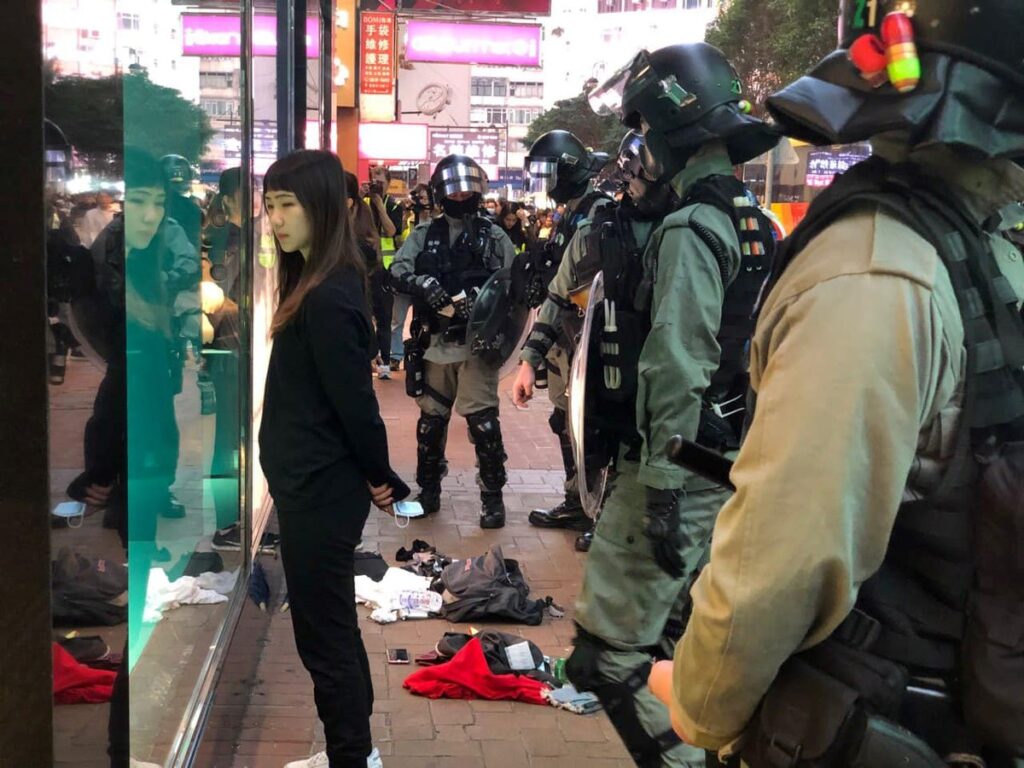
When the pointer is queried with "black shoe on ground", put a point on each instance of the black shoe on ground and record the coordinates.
(569, 514)
(396, 363)
(493, 513)
(430, 500)
(583, 541)
(228, 539)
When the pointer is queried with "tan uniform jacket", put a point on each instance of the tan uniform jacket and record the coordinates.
(858, 366)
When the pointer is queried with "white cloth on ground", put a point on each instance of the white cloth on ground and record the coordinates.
(382, 596)
(163, 594)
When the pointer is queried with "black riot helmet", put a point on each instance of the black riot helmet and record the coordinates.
(559, 166)
(452, 179)
(967, 84)
(683, 97)
(177, 173)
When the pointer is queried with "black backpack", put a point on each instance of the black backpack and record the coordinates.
(88, 592)
(489, 588)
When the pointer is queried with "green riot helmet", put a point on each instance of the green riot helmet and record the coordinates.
(457, 185)
(965, 84)
(683, 97)
(559, 166)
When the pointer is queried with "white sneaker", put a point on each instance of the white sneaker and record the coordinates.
(319, 760)
(384, 372)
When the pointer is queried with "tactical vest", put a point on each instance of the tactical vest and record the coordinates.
(948, 600)
(537, 267)
(619, 349)
(462, 265)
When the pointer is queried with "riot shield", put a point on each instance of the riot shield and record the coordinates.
(590, 479)
(497, 325)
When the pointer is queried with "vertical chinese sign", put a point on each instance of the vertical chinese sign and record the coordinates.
(377, 54)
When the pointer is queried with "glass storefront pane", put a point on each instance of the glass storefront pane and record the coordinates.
(184, 252)
(148, 354)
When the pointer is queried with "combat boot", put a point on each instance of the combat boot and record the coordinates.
(431, 467)
(492, 513)
(430, 500)
(569, 514)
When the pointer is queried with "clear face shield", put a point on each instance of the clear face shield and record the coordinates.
(540, 175)
(638, 82)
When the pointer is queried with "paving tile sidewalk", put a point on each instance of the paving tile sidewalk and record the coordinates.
(263, 714)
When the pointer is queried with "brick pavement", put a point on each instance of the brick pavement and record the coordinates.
(263, 714)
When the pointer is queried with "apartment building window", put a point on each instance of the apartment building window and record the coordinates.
(216, 80)
(523, 116)
(488, 86)
(527, 90)
(218, 107)
(128, 21)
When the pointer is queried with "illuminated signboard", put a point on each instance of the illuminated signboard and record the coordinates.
(517, 7)
(481, 144)
(393, 141)
(516, 45)
(824, 165)
(377, 59)
(221, 35)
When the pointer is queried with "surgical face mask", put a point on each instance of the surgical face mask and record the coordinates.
(459, 208)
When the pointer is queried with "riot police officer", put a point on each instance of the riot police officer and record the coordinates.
(625, 228)
(560, 167)
(879, 482)
(671, 332)
(443, 265)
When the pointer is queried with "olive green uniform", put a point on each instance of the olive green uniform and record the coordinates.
(627, 598)
(449, 368)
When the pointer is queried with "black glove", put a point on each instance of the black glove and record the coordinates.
(661, 527)
(432, 294)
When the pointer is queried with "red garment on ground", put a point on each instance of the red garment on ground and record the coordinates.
(75, 683)
(467, 676)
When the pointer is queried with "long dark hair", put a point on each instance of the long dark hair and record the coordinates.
(317, 180)
(362, 217)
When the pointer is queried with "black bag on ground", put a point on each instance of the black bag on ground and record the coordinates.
(488, 588)
(88, 592)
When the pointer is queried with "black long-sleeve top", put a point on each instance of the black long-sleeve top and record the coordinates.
(322, 437)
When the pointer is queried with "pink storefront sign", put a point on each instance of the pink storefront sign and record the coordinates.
(458, 43)
(221, 35)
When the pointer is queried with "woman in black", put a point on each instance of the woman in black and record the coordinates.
(323, 446)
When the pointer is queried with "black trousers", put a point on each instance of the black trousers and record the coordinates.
(318, 552)
(383, 304)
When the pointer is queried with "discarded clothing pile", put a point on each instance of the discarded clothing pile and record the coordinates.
(204, 589)
(75, 683)
(490, 665)
(494, 665)
(423, 559)
(398, 595)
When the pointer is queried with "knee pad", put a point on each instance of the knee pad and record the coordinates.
(583, 668)
(485, 434)
(430, 429)
(557, 421)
